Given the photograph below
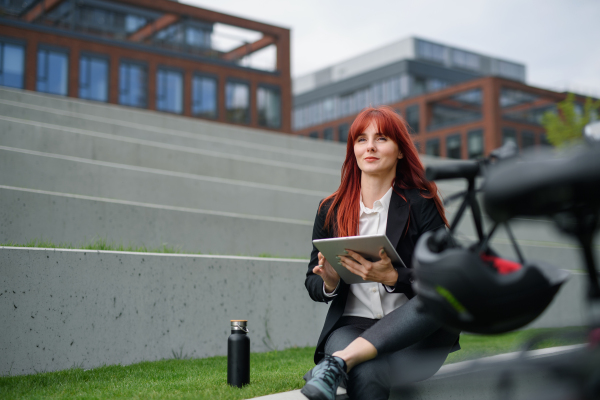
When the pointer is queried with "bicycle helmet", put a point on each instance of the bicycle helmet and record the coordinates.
(480, 293)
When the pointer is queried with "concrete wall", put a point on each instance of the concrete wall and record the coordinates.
(64, 308)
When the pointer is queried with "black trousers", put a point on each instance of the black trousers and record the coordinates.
(410, 345)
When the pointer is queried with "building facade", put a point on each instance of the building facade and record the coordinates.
(154, 54)
(458, 104)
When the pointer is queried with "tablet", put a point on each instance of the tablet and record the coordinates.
(367, 246)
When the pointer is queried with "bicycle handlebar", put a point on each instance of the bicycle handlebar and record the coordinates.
(543, 186)
(458, 169)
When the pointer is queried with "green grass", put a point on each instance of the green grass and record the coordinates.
(96, 244)
(104, 244)
(273, 372)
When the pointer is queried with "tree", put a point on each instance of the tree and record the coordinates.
(566, 126)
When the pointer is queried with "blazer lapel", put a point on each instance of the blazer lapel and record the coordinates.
(397, 218)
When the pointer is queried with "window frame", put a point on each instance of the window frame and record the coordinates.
(277, 88)
(235, 80)
(451, 137)
(107, 58)
(433, 140)
(142, 64)
(16, 42)
(181, 72)
(56, 49)
(206, 75)
(473, 132)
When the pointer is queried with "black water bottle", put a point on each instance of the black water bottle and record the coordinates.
(238, 354)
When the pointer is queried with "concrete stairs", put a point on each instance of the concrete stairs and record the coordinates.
(73, 170)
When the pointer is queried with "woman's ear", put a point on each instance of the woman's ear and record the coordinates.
(400, 155)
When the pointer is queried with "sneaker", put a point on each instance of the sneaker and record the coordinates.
(323, 380)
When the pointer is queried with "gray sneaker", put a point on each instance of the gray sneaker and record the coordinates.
(323, 380)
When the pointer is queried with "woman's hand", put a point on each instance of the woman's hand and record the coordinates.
(327, 273)
(381, 271)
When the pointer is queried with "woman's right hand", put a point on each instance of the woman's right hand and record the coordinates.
(327, 273)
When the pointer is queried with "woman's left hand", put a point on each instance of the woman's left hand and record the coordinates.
(380, 271)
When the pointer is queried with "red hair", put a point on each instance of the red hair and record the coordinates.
(410, 173)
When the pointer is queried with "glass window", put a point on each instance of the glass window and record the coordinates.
(343, 131)
(313, 135)
(433, 85)
(93, 78)
(237, 102)
(204, 97)
(475, 143)
(462, 59)
(169, 91)
(418, 146)
(419, 86)
(134, 22)
(268, 101)
(12, 65)
(430, 51)
(509, 135)
(527, 139)
(455, 110)
(432, 147)
(413, 118)
(521, 106)
(511, 70)
(52, 71)
(453, 147)
(132, 84)
(328, 134)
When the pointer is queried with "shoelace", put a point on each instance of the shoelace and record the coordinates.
(331, 371)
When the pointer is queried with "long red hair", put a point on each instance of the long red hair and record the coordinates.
(410, 173)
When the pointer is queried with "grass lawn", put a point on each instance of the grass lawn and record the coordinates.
(272, 372)
(104, 244)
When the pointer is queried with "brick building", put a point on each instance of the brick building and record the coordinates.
(154, 54)
(459, 104)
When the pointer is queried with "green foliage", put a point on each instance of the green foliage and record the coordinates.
(566, 126)
(183, 378)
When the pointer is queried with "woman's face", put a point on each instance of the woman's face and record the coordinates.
(375, 153)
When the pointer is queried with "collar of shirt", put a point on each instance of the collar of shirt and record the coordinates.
(378, 205)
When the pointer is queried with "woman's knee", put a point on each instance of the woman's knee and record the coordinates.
(341, 338)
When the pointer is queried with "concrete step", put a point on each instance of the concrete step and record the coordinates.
(27, 214)
(73, 142)
(169, 121)
(51, 172)
(71, 119)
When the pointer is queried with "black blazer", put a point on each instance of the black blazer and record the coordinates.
(407, 221)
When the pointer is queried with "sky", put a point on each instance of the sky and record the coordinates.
(557, 40)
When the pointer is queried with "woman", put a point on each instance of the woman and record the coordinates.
(373, 331)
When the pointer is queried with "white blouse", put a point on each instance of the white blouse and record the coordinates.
(371, 300)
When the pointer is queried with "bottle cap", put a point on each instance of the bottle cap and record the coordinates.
(239, 325)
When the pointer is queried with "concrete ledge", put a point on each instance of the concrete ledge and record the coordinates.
(43, 137)
(27, 214)
(65, 308)
(463, 380)
(70, 119)
(169, 121)
(56, 173)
